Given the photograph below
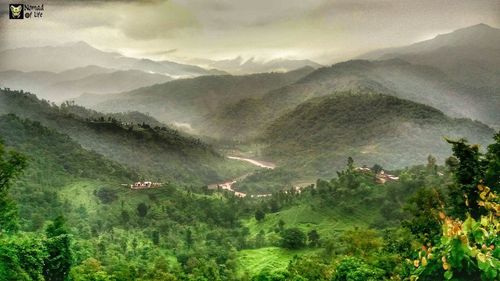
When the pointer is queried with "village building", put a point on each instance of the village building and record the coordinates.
(382, 177)
(145, 185)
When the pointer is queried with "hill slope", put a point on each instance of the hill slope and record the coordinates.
(74, 82)
(54, 161)
(320, 134)
(469, 55)
(423, 84)
(158, 152)
(190, 100)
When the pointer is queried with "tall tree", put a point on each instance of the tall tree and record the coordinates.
(11, 165)
(59, 261)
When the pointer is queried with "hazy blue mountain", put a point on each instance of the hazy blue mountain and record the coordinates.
(80, 54)
(422, 84)
(113, 82)
(239, 65)
(190, 100)
(74, 82)
(469, 55)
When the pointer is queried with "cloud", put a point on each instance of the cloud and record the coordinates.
(161, 52)
(155, 20)
(322, 30)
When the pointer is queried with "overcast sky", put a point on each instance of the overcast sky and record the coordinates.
(321, 30)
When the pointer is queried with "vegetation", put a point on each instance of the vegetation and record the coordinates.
(67, 213)
(369, 127)
(192, 100)
(158, 152)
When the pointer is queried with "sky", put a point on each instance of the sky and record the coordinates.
(325, 31)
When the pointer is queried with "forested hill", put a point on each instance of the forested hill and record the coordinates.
(372, 128)
(417, 83)
(54, 162)
(153, 151)
(186, 100)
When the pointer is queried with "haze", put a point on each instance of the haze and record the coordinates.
(189, 31)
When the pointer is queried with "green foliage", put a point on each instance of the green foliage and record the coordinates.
(423, 208)
(22, 257)
(157, 152)
(354, 269)
(59, 261)
(11, 165)
(313, 238)
(90, 270)
(142, 209)
(372, 128)
(259, 215)
(473, 168)
(187, 232)
(467, 250)
(293, 238)
(266, 181)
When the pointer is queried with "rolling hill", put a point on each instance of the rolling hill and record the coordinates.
(470, 56)
(190, 100)
(74, 82)
(321, 133)
(424, 84)
(157, 152)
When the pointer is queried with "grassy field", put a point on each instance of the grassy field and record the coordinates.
(269, 258)
(326, 221)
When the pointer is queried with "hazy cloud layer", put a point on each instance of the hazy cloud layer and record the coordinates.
(321, 30)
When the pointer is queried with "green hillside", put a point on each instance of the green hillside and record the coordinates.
(343, 226)
(372, 128)
(190, 100)
(246, 118)
(157, 152)
(55, 162)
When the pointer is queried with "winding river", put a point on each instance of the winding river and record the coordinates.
(228, 185)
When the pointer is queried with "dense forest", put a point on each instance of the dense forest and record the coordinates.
(132, 139)
(65, 215)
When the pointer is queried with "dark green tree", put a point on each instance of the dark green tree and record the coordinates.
(469, 173)
(142, 210)
(313, 237)
(492, 163)
(293, 238)
(260, 215)
(11, 165)
(58, 263)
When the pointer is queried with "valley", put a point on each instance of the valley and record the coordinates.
(131, 163)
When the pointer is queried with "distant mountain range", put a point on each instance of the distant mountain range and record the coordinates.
(191, 100)
(394, 109)
(239, 65)
(222, 112)
(469, 55)
(80, 54)
(77, 81)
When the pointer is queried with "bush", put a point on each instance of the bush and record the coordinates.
(293, 238)
(354, 269)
